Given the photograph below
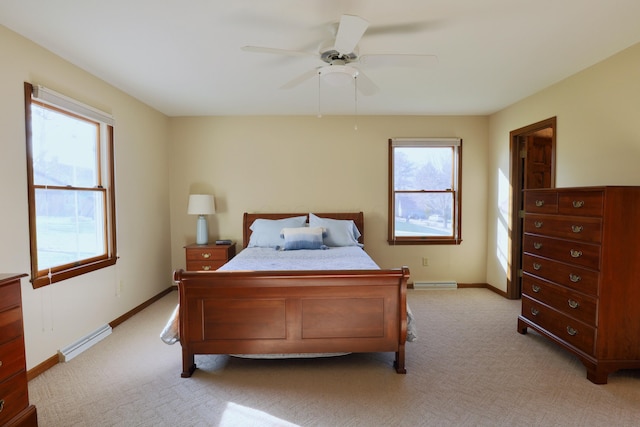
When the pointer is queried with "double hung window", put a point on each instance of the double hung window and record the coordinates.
(424, 190)
(70, 173)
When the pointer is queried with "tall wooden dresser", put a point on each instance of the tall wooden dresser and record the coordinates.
(14, 395)
(581, 274)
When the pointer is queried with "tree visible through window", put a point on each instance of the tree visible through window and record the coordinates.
(70, 184)
(424, 190)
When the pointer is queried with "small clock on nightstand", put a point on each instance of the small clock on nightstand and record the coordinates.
(208, 257)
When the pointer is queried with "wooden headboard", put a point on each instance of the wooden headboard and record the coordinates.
(357, 217)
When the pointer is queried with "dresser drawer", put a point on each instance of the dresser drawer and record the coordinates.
(570, 276)
(14, 396)
(12, 358)
(541, 202)
(571, 303)
(10, 295)
(10, 324)
(567, 329)
(585, 229)
(572, 252)
(204, 265)
(587, 203)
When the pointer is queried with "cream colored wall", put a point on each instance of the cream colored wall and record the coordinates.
(57, 315)
(302, 164)
(598, 140)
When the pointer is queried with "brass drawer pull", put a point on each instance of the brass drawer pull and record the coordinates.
(539, 203)
(1, 405)
(573, 303)
(537, 224)
(206, 267)
(574, 278)
(575, 254)
(578, 203)
(571, 331)
(537, 266)
(535, 288)
(535, 311)
(537, 245)
(206, 255)
(577, 228)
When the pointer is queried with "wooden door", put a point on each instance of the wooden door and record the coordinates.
(532, 166)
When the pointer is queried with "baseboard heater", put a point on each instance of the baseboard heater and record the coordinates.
(435, 285)
(69, 352)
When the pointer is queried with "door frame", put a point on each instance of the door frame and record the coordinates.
(516, 181)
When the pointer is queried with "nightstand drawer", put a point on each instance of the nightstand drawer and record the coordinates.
(208, 257)
(204, 265)
(12, 359)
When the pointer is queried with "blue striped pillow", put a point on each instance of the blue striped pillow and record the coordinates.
(302, 238)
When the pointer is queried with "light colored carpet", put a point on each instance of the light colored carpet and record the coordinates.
(469, 368)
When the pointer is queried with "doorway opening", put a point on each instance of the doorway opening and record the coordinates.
(532, 163)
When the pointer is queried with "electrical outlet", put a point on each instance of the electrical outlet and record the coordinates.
(425, 262)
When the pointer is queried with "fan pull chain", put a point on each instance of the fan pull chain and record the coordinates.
(319, 92)
(355, 98)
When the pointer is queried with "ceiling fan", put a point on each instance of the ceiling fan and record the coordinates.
(341, 56)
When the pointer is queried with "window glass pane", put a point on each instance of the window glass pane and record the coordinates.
(69, 225)
(423, 168)
(424, 214)
(64, 149)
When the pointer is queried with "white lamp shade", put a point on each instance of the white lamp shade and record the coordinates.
(201, 204)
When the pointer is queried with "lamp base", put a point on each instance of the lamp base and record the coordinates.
(202, 233)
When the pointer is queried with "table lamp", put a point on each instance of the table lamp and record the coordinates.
(201, 205)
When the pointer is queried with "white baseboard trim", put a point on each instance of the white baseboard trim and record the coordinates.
(434, 285)
(69, 352)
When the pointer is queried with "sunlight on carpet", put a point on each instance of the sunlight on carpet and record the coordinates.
(240, 416)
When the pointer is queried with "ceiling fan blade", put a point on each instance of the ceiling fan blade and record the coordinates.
(300, 79)
(398, 60)
(365, 85)
(349, 33)
(404, 28)
(273, 50)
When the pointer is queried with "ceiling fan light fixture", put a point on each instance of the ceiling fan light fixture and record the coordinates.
(338, 75)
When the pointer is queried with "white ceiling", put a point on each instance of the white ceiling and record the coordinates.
(184, 57)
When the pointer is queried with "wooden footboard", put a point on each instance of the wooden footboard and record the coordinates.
(273, 312)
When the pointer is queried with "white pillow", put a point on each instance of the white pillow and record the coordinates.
(339, 232)
(265, 233)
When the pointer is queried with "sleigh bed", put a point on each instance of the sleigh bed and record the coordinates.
(267, 309)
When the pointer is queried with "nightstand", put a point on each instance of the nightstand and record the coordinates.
(208, 257)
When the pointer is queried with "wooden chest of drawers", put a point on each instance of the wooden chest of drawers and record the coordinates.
(14, 397)
(208, 257)
(581, 274)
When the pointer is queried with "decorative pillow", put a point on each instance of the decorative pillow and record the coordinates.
(339, 232)
(302, 238)
(265, 233)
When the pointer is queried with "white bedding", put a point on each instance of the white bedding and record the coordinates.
(265, 259)
(269, 259)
